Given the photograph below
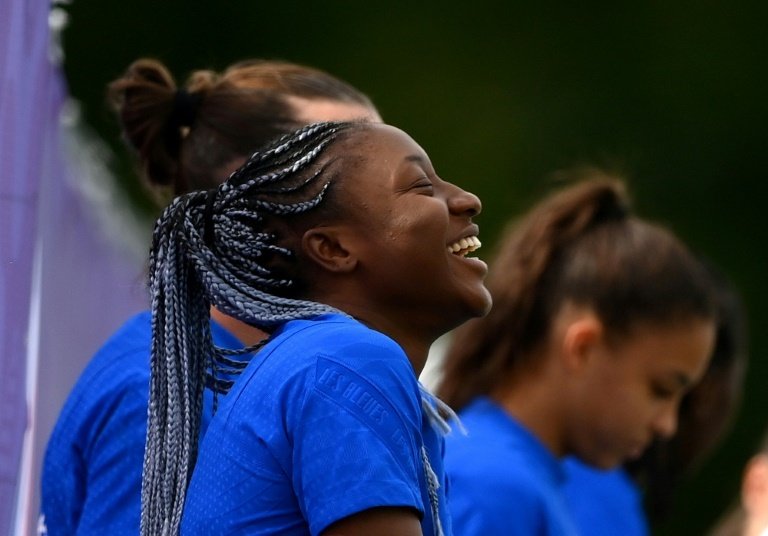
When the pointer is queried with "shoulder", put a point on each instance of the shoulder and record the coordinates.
(113, 388)
(125, 355)
(336, 335)
(498, 491)
(493, 471)
(497, 496)
(120, 366)
(607, 501)
(613, 485)
(333, 359)
(312, 350)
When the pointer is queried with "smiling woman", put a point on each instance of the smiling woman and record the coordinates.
(322, 241)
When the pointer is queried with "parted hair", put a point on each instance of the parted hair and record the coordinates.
(580, 245)
(225, 247)
(185, 135)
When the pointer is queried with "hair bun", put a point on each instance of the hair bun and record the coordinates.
(185, 107)
(611, 203)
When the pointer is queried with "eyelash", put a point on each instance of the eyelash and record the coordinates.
(662, 392)
(423, 182)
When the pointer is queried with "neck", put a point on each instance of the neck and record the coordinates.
(413, 330)
(414, 340)
(535, 403)
(245, 333)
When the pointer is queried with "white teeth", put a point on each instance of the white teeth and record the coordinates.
(464, 246)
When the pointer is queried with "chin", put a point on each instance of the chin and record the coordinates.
(482, 305)
(604, 462)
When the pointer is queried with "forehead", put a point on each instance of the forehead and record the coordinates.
(374, 159)
(381, 145)
(319, 110)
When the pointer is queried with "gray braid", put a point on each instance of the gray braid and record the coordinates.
(189, 273)
(432, 408)
(433, 485)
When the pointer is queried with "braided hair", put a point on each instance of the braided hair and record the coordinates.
(217, 248)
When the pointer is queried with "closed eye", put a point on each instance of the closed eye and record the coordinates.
(670, 386)
(423, 184)
(663, 392)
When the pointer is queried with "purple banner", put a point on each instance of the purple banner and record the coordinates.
(29, 100)
(88, 284)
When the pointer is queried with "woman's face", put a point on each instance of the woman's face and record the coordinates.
(631, 390)
(412, 233)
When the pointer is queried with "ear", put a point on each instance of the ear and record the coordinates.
(582, 337)
(326, 246)
(754, 486)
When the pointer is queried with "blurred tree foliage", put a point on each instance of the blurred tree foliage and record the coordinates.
(502, 95)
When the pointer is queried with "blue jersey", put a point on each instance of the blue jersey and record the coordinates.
(604, 503)
(325, 422)
(504, 481)
(91, 481)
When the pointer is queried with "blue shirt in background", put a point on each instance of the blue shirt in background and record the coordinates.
(325, 422)
(604, 503)
(504, 481)
(91, 480)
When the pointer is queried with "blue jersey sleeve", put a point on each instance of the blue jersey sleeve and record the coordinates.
(356, 440)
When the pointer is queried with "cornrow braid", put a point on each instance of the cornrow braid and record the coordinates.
(192, 269)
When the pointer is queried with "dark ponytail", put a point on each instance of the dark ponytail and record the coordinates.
(217, 248)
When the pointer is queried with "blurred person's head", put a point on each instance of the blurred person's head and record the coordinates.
(191, 137)
(754, 495)
(749, 514)
(601, 322)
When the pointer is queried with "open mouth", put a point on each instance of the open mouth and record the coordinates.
(464, 246)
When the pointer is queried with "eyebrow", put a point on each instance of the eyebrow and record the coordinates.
(414, 158)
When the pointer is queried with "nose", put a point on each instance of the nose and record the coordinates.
(666, 422)
(461, 202)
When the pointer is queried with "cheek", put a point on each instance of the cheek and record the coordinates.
(623, 402)
(420, 231)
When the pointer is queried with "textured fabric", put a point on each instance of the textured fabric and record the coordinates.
(604, 503)
(503, 480)
(325, 422)
(91, 480)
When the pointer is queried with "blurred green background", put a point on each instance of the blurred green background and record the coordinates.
(503, 94)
